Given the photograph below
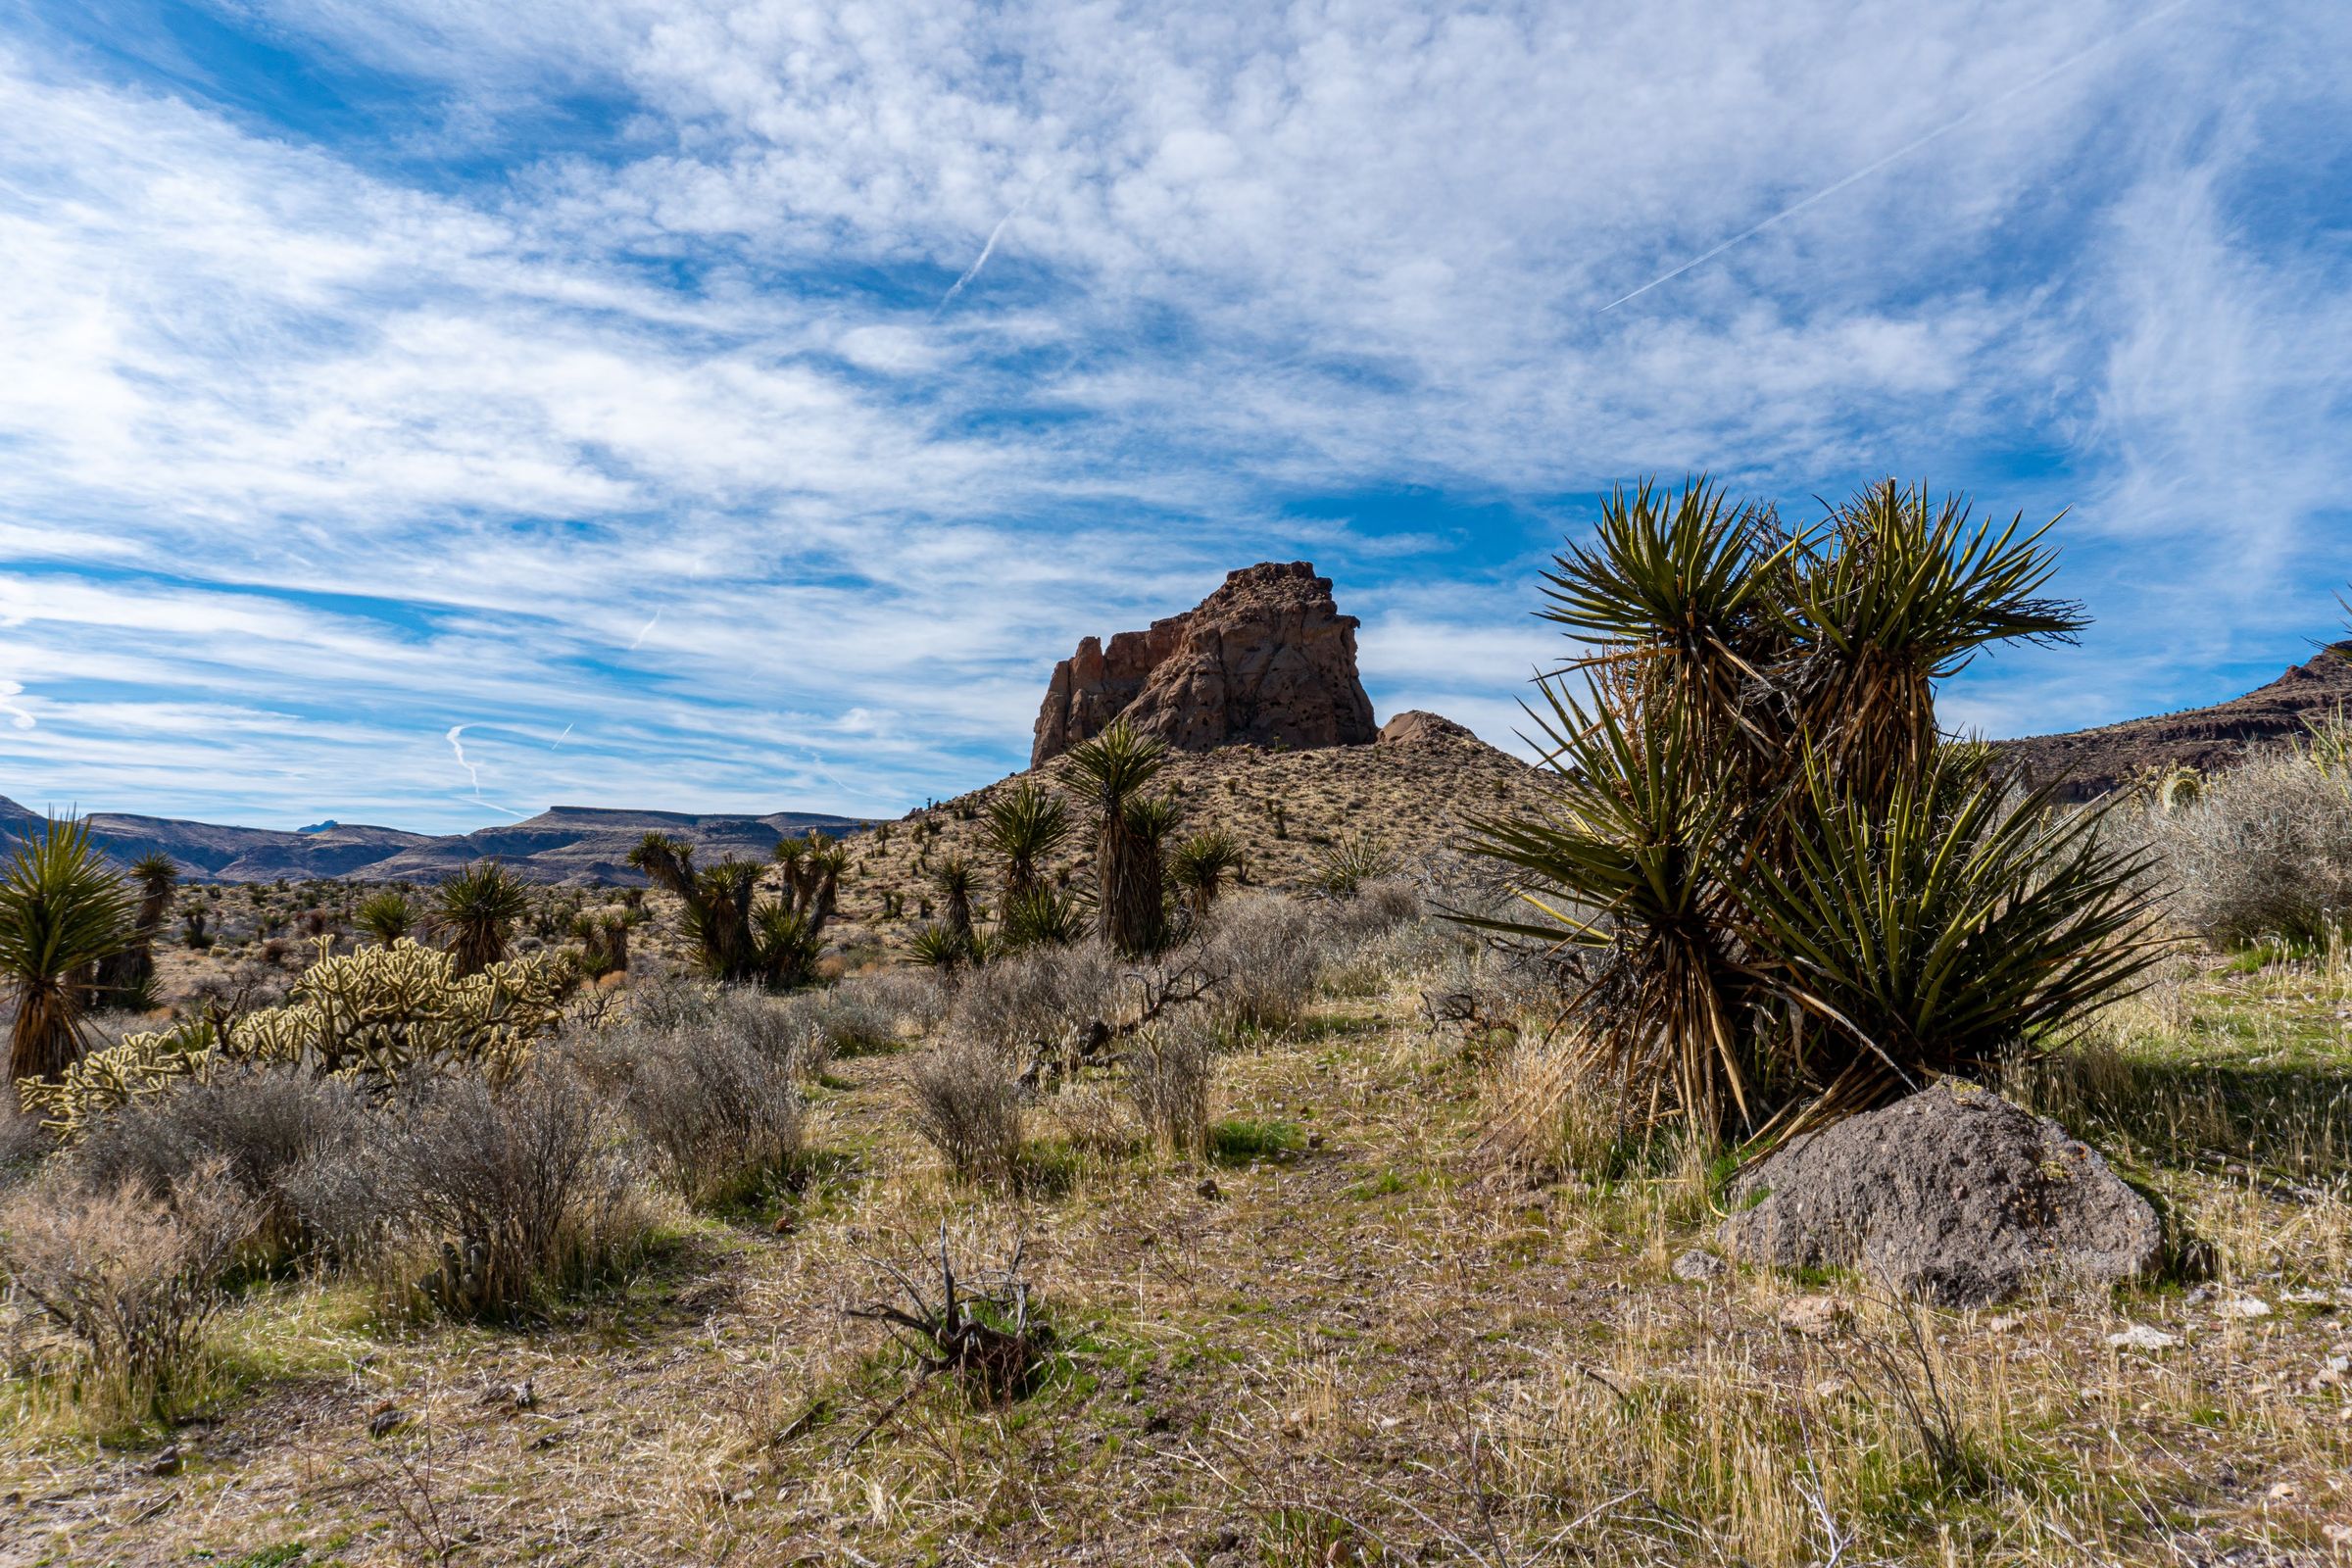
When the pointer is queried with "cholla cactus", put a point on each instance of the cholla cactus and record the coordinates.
(143, 1065)
(379, 1013)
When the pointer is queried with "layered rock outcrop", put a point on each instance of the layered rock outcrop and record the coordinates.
(1267, 659)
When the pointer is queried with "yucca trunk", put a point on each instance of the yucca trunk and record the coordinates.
(1128, 873)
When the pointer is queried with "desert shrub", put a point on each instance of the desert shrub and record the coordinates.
(968, 1107)
(2263, 852)
(1034, 999)
(255, 1125)
(23, 1145)
(132, 1276)
(720, 1113)
(518, 1191)
(1169, 1068)
(1266, 952)
(866, 1013)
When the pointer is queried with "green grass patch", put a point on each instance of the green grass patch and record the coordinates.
(1240, 1140)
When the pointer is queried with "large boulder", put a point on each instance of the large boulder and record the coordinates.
(1267, 659)
(1953, 1196)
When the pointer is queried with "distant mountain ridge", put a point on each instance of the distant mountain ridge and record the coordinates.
(2091, 762)
(568, 844)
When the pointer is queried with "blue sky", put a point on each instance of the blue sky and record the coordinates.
(739, 406)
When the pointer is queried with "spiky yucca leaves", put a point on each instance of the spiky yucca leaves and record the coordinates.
(1903, 594)
(1349, 861)
(1200, 864)
(785, 945)
(954, 878)
(478, 907)
(1680, 599)
(1111, 772)
(939, 947)
(1953, 925)
(1041, 918)
(1628, 859)
(127, 976)
(1023, 826)
(386, 916)
(62, 911)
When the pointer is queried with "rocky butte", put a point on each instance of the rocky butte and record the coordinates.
(1267, 659)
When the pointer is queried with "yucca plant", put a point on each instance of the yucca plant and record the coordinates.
(1025, 824)
(385, 915)
(939, 947)
(1349, 861)
(785, 945)
(478, 907)
(1111, 772)
(1200, 864)
(1041, 918)
(1950, 927)
(1785, 880)
(62, 911)
(1628, 861)
(127, 976)
(954, 878)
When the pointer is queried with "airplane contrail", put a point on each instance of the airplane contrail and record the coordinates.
(472, 770)
(986, 251)
(1904, 151)
(645, 631)
(560, 739)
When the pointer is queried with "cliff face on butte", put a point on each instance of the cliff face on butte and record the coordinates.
(2090, 763)
(1267, 658)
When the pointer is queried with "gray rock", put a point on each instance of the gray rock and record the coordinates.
(1953, 1196)
(1698, 1265)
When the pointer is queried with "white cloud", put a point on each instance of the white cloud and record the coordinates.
(385, 451)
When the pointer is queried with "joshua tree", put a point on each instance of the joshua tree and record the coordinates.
(1200, 864)
(1799, 897)
(792, 855)
(127, 976)
(955, 879)
(477, 907)
(386, 916)
(827, 862)
(1026, 823)
(739, 938)
(195, 925)
(62, 912)
(1110, 771)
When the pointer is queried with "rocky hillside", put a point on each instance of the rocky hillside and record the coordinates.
(2094, 762)
(1415, 790)
(571, 844)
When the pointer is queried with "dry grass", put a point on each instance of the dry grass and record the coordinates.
(1371, 1339)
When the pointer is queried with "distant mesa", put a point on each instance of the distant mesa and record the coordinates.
(1267, 660)
(2088, 763)
(568, 844)
(328, 826)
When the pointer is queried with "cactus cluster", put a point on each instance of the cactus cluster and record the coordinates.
(380, 1013)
